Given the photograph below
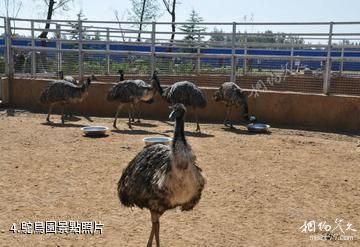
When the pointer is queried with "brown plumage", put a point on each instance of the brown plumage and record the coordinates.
(131, 92)
(231, 95)
(161, 177)
(186, 93)
(61, 92)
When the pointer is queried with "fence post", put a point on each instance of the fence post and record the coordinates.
(153, 29)
(245, 56)
(327, 75)
(108, 51)
(198, 52)
(58, 47)
(33, 53)
(292, 55)
(81, 58)
(8, 56)
(342, 57)
(233, 55)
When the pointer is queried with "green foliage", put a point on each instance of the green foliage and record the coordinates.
(75, 32)
(193, 29)
(262, 37)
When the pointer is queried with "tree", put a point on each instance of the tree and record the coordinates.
(170, 6)
(75, 32)
(52, 6)
(193, 29)
(144, 11)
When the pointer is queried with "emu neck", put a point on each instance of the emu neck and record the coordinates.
(179, 135)
(156, 86)
(182, 154)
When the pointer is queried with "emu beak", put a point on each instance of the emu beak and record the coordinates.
(171, 116)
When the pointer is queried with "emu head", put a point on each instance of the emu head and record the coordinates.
(178, 111)
(217, 96)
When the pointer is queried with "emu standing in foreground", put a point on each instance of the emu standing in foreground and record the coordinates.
(162, 177)
(231, 95)
(62, 93)
(132, 92)
(186, 93)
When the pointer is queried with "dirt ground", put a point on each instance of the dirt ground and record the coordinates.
(260, 188)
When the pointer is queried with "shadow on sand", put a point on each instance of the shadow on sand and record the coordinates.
(135, 132)
(65, 125)
(141, 124)
(243, 131)
(96, 136)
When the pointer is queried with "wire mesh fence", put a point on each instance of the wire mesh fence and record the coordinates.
(312, 57)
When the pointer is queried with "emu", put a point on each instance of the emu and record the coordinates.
(184, 92)
(136, 106)
(61, 92)
(231, 95)
(160, 177)
(132, 92)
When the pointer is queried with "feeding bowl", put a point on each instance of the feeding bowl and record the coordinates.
(157, 139)
(94, 130)
(258, 127)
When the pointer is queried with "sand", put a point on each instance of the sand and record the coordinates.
(260, 188)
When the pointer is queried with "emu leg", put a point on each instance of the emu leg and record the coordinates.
(62, 114)
(197, 122)
(130, 111)
(49, 112)
(155, 229)
(226, 116)
(231, 125)
(196, 119)
(138, 113)
(116, 115)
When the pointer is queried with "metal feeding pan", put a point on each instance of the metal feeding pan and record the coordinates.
(94, 130)
(258, 127)
(157, 139)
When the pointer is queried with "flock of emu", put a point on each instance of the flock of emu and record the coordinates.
(133, 92)
(160, 177)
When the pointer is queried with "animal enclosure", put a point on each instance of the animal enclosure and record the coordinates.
(260, 188)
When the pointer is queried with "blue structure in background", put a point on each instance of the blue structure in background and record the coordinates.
(213, 62)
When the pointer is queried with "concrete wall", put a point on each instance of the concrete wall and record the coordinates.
(4, 90)
(340, 113)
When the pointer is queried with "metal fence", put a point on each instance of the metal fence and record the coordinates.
(307, 56)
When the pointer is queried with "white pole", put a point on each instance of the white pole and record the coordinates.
(107, 50)
(153, 29)
(81, 59)
(33, 53)
(327, 75)
(233, 55)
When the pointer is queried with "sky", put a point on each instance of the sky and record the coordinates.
(214, 11)
(218, 11)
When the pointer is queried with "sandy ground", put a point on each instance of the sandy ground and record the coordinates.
(260, 188)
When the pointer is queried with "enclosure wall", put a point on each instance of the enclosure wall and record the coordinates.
(340, 113)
